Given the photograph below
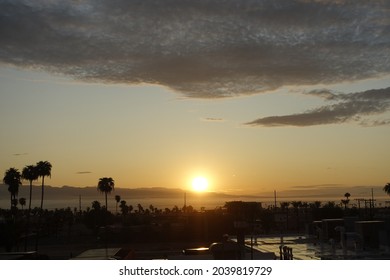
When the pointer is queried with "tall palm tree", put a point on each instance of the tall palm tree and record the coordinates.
(12, 178)
(345, 203)
(346, 200)
(386, 188)
(43, 170)
(106, 186)
(30, 173)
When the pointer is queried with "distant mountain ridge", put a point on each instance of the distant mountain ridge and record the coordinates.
(69, 192)
(75, 197)
(305, 193)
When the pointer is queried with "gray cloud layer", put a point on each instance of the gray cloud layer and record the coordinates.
(347, 107)
(203, 48)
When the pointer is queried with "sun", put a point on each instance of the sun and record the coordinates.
(199, 184)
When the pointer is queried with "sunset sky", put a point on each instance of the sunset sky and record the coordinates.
(252, 95)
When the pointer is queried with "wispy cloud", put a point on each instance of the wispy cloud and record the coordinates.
(315, 187)
(322, 93)
(205, 49)
(83, 172)
(346, 108)
(331, 192)
(20, 154)
(213, 119)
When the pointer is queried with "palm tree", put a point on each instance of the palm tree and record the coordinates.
(124, 208)
(22, 202)
(12, 178)
(345, 203)
(386, 188)
(106, 185)
(140, 208)
(30, 173)
(346, 200)
(43, 170)
(96, 205)
(117, 199)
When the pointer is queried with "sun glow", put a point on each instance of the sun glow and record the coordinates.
(199, 184)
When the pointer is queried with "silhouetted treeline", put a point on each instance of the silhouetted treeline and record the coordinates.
(134, 224)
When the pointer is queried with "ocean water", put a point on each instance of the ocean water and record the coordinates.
(197, 203)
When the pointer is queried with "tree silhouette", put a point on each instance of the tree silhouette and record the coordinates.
(140, 208)
(345, 203)
(386, 188)
(30, 173)
(117, 199)
(124, 208)
(329, 204)
(96, 205)
(284, 205)
(14, 202)
(346, 200)
(175, 209)
(315, 204)
(12, 178)
(106, 186)
(43, 170)
(22, 202)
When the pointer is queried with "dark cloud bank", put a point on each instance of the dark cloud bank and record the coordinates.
(348, 107)
(204, 49)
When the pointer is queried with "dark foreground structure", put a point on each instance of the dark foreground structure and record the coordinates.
(239, 230)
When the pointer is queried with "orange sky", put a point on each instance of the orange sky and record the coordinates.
(251, 102)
